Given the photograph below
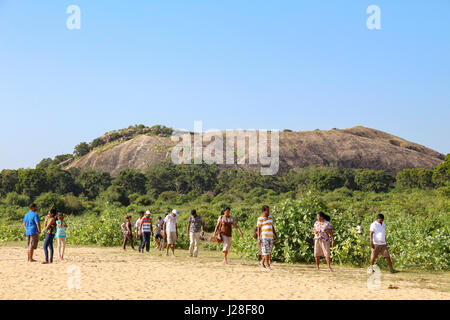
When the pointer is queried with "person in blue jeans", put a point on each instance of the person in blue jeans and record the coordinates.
(32, 226)
(50, 227)
(146, 229)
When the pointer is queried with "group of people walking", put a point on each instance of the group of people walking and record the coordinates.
(54, 227)
(265, 234)
(165, 234)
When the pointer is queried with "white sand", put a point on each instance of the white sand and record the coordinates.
(110, 273)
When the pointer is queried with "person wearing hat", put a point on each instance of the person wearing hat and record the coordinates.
(146, 229)
(171, 230)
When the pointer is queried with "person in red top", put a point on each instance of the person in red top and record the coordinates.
(146, 229)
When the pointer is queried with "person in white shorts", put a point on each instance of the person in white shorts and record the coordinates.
(171, 230)
(224, 230)
(266, 236)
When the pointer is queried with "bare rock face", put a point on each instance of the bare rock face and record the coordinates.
(357, 147)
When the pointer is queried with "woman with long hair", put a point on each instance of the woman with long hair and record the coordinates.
(50, 227)
(127, 232)
(60, 235)
(323, 231)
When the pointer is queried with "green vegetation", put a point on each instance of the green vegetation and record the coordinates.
(416, 204)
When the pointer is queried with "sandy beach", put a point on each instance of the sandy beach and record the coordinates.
(110, 273)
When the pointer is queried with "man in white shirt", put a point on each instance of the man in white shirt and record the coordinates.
(171, 230)
(378, 242)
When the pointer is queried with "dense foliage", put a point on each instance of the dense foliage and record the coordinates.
(420, 241)
(416, 204)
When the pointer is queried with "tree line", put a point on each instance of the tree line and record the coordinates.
(20, 186)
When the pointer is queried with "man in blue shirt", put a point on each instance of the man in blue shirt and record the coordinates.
(32, 226)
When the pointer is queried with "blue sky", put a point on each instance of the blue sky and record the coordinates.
(232, 64)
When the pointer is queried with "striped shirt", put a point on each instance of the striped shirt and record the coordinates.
(146, 224)
(266, 225)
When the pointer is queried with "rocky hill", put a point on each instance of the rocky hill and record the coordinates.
(357, 147)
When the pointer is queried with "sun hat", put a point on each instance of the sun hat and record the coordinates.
(147, 212)
(175, 211)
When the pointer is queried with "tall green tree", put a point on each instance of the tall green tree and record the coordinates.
(93, 182)
(441, 174)
(61, 181)
(131, 180)
(8, 181)
(373, 180)
(32, 182)
(415, 178)
(161, 178)
(81, 149)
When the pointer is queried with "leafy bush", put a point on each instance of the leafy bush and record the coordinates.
(419, 242)
(8, 233)
(168, 196)
(415, 178)
(15, 199)
(114, 194)
(50, 200)
(372, 180)
(73, 205)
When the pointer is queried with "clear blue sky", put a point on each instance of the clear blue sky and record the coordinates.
(233, 64)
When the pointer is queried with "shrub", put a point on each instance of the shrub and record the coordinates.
(15, 199)
(168, 196)
(419, 242)
(415, 178)
(50, 200)
(372, 180)
(73, 205)
(114, 194)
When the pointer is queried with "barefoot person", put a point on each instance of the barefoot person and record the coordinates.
(50, 227)
(171, 230)
(323, 231)
(139, 236)
(258, 247)
(146, 229)
(224, 229)
(60, 235)
(163, 243)
(195, 230)
(266, 233)
(32, 226)
(159, 234)
(127, 233)
(378, 242)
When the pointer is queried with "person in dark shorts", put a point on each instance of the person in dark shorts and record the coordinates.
(158, 233)
(32, 226)
(50, 228)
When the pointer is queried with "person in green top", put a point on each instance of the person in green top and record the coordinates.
(50, 227)
(61, 226)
